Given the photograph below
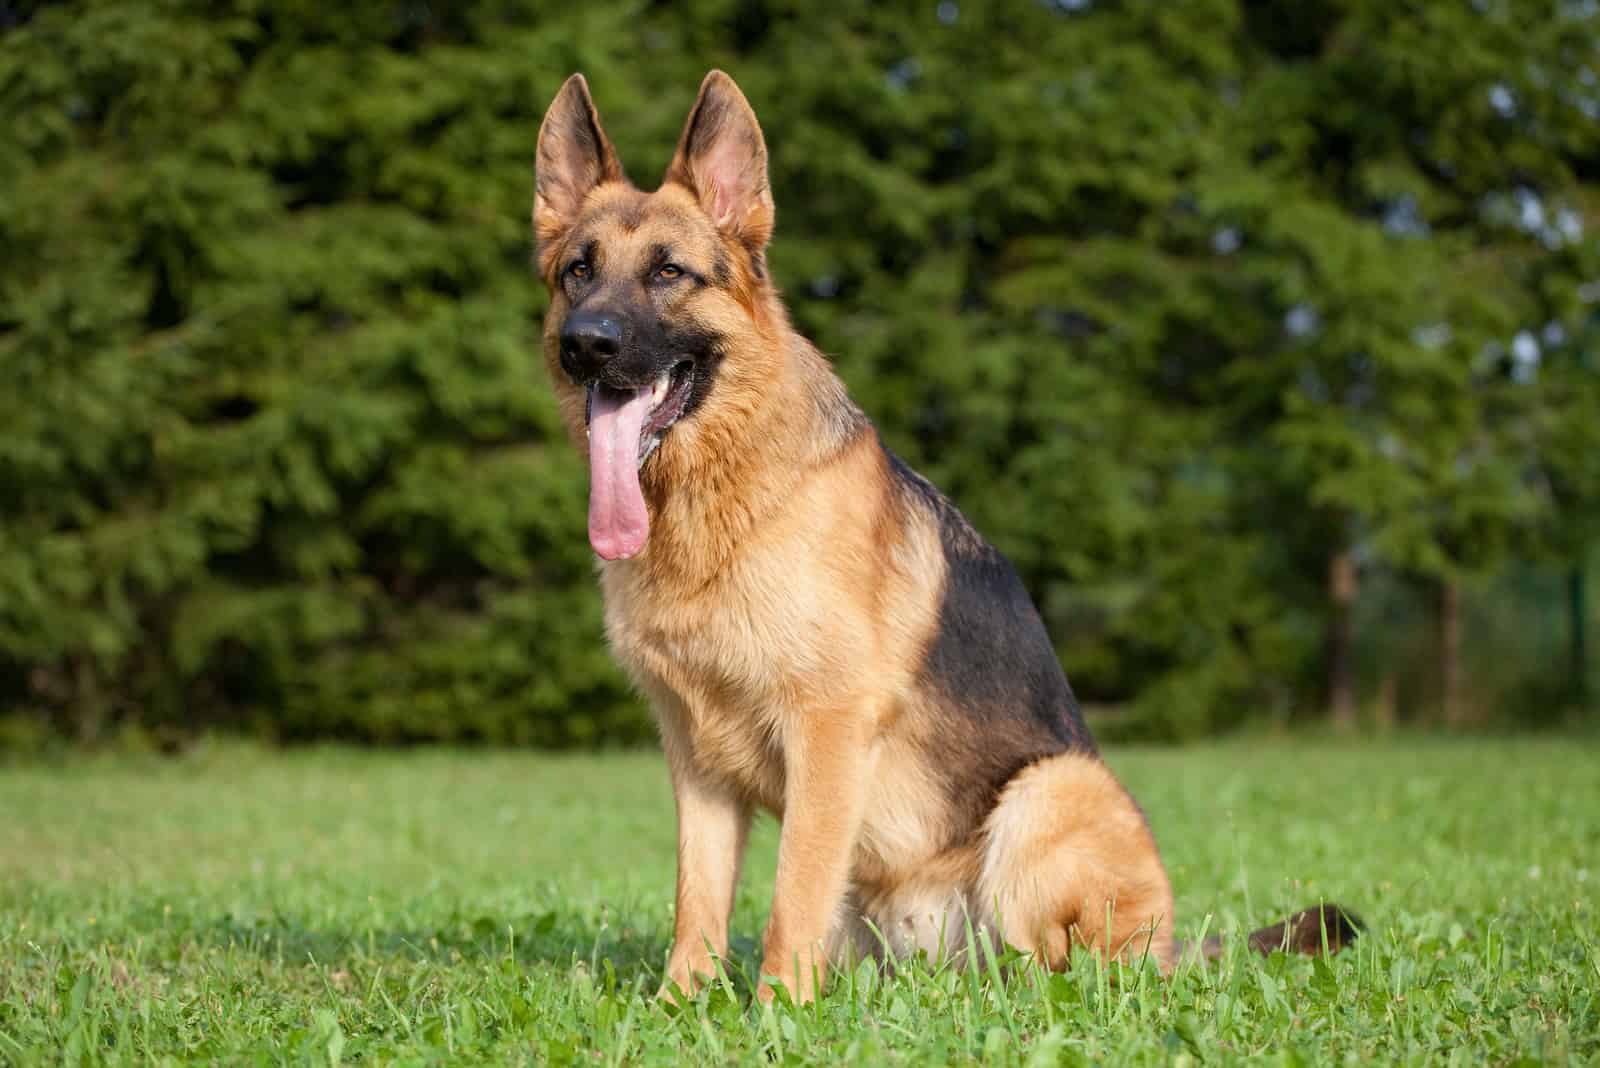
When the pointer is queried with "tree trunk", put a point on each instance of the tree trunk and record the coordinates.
(1577, 608)
(1341, 639)
(1450, 697)
(1386, 706)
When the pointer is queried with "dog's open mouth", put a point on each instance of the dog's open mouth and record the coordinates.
(666, 398)
(625, 427)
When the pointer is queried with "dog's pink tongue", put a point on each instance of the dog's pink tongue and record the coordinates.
(618, 521)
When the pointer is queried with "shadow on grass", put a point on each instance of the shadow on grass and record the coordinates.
(556, 940)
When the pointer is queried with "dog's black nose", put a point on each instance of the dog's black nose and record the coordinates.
(588, 341)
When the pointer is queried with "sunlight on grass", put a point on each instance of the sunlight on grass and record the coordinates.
(332, 905)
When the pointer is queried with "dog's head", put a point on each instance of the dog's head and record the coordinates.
(660, 312)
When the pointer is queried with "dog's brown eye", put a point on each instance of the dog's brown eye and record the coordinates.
(669, 272)
(579, 270)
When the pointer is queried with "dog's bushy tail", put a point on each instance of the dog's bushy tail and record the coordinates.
(1307, 931)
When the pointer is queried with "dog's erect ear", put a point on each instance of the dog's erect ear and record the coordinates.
(722, 159)
(574, 157)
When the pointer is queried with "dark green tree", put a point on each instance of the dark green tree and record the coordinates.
(1203, 312)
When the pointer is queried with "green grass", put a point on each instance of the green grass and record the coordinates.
(241, 905)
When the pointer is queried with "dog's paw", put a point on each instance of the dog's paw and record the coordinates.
(800, 987)
(686, 977)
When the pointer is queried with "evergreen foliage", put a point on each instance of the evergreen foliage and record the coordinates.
(1177, 301)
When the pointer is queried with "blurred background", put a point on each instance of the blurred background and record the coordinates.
(1263, 337)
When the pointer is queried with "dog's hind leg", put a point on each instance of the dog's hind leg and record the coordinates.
(926, 913)
(1068, 858)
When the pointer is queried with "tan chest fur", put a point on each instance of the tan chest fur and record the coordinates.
(803, 621)
(731, 664)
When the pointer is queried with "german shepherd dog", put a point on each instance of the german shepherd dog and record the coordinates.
(818, 629)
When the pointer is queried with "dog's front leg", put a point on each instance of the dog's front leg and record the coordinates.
(827, 762)
(712, 826)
